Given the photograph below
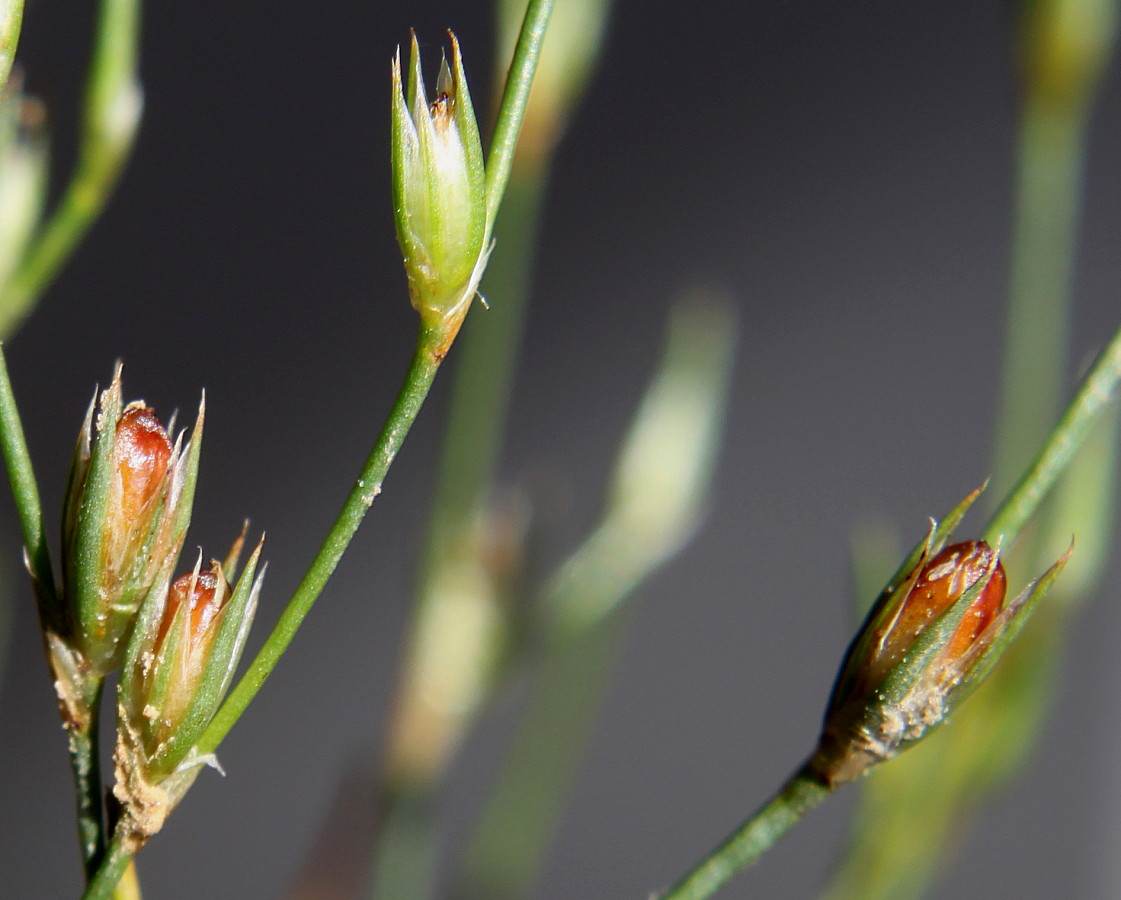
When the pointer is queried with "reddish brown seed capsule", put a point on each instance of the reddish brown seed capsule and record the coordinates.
(181, 649)
(940, 584)
(142, 452)
(203, 595)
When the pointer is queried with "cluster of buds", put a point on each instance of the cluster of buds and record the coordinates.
(187, 641)
(937, 629)
(439, 190)
(126, 512)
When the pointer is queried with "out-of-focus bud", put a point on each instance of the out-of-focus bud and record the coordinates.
(439, 189)
(11, 18)
(181, 658)
(23, 171)
(1065, 45)
(936, 631)
(128, 504)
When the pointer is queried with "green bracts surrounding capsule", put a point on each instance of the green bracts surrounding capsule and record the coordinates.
(439, 188)
(126, 512)
(236, 618)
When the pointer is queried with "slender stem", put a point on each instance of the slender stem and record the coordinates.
(753, 838)
(515, 828)
(25, 489)
(11, 18)
(1052, 148)
(118, 858)
(111, 117)
(407, 842)
(86, 766)
(511, 110)
(425, 363)
(1093, 394)
(128, 888)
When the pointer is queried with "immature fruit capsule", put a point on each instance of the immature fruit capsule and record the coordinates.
(912, 657)
(180, 660)
(939, 584)
(141, 453)
(128, 504)
(181, 647)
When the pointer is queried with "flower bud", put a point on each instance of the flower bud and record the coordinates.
(439, 189)
(180, 661)
(1065, 46)
(127, 508)
(23, 187)
(919, 646)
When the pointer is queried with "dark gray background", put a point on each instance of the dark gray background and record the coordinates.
(844, 166)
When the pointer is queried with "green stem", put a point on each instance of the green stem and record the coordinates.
(1052, 148)
(516, 826)
(425, 363)
(753, 838)
(683, 407)
(111, 116)
(86, 765)
(471, 445)
(103, 885)
(11, 19)
(1092, 395)
(511, 111)
(25, 489)
(407, 842)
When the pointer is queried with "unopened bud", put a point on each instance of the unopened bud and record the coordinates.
(921, 643)
(1065, 46)
(439, 189)
(181, 658)
(128, 504)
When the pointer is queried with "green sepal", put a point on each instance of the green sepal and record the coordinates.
(173, 530)
(83, 567)
(467, 126)
(1008, 626)
(164, 667)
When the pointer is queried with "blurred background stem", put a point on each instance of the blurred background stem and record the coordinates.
(515, 828)
(653, 506)
(1051, 151)
(912, 812)
(110, 119)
